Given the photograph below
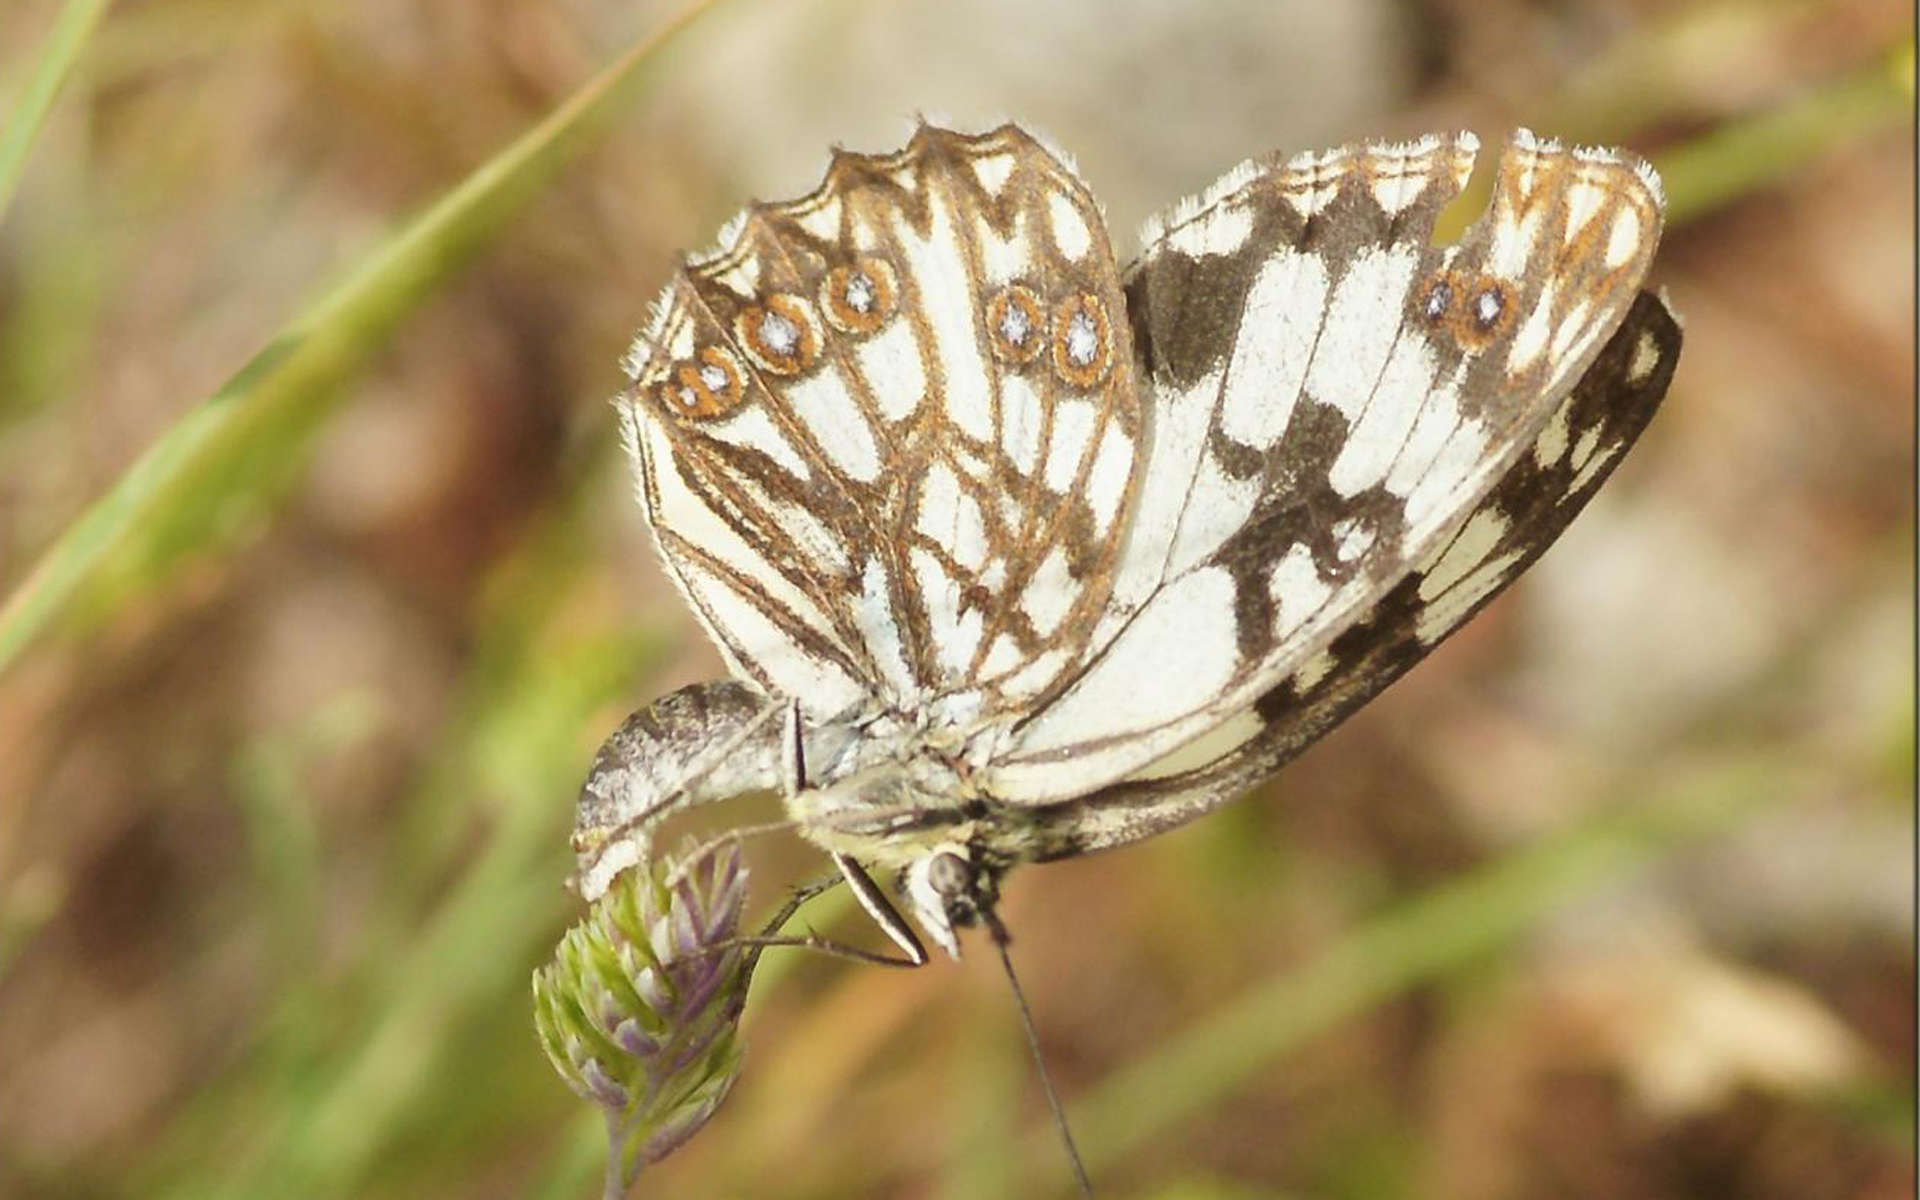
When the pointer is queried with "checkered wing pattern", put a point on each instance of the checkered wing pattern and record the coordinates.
(1543, 490)
(887, 435)
(1331, 399)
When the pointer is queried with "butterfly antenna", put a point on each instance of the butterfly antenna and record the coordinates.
(1000, 943)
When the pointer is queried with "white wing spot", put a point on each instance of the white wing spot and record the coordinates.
(1107, 481)
(1298, 590)
(1217, 506)
(1005, 259)
(1003, 657)
(1311, 179)
(993, 171)
(1512, 243)
(1020, 419)
(1646, 356)
(1222, 231)
(950, 517)
(1592, 467)
(1211, 746)
(1311, 672)
(1584, 448)
(1438, 419)
(859, 294)
(1380, 433)
(1396, 185)
(1464, 452)
(1573, 326)
(1355, 340)
(837, 424)
(1552, 442)
(1531, 342)
(1469, 547)
(876, 620)
(1177, 655)
(1070, 233)
(824, 221)
(750, 428)
(1073, 423)
(890, 362)
(1271, 358)
(1583, 201)
(937, 264)
(1624, 239)
(1440, 617)
(1351, 538)
(1049, 593)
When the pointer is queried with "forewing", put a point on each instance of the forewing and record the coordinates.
(886, 436)
(1331, 396)
(1525, 512)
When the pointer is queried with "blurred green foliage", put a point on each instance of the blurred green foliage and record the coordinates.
(378, 970)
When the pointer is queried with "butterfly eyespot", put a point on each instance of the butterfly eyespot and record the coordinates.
(1435, 299)
(1489, 304)
(1082, 341)
(709, 386)
(1016, 325)
(1484, 312)
(779, 335)
(859, 298)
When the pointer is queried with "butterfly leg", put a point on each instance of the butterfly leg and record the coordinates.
(871, 898)
(884, 914)
(865, 890)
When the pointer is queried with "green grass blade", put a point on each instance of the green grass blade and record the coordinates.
(1447, 929)
(29, 112)
(244, 444)
(1745, 157)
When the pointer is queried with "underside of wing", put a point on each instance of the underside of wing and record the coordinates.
(886, 434)
(1331, 399)
(1525, 512)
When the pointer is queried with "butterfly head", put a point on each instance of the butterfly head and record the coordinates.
(952, 888)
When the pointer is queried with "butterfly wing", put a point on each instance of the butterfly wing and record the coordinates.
(1331, 399)
(1513, 525)
(886, 436)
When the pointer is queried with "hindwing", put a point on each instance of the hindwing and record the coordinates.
(886, 435)
(1540, 494)
(1331, 397)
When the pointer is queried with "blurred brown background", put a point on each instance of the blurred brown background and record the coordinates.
(282, 825)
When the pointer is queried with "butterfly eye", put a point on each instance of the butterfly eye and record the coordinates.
(1016, 325)
(779, 335)
(1082, 341)
(949, 875)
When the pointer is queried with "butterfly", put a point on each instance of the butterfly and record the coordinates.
(1014, 554)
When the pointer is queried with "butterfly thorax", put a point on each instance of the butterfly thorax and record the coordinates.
(1018, 556)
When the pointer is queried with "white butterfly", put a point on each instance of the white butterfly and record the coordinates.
(1016, 555)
